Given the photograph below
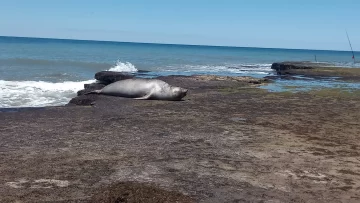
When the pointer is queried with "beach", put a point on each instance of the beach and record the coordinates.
(228, 141)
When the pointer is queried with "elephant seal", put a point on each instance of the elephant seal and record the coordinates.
(139, 88)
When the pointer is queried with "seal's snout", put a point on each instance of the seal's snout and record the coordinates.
(184, 91)
(180, 92)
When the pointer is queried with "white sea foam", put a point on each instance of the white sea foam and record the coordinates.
(223, 69)
(37, 93)
(123, 67)
(15, 94)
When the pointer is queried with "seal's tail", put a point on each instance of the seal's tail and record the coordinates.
(93, 92)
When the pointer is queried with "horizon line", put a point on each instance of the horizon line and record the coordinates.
(222, 46)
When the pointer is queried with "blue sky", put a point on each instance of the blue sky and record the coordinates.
(303, 24)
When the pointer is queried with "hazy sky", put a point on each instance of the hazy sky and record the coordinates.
(308, 24)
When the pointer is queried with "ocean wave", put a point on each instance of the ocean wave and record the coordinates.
(37, 93)
(123, 67)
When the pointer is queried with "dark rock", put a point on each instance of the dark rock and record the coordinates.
(94, 85)
(255, 82)
(83, 100)
(286, 67)
(292, 65)
(82, 92)
(141, 72)
(90, 87)
(108, 77)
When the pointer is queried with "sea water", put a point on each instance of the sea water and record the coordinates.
(48, 72)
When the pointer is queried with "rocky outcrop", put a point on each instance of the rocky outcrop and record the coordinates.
(90, 87)
(291, 65)
(315, 70)
(83, 100)
(107, 77)
(287, 66)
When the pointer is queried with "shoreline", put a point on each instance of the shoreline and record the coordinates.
(286, 71)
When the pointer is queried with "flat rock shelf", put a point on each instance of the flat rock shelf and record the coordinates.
(227, 141)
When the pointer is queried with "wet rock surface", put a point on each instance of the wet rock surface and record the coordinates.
(226, 142)
(132, 192)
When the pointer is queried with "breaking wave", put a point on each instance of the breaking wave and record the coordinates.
(123, 67)
(52, 88)
(37, 93)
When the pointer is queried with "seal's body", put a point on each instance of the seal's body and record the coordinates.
(143, 89)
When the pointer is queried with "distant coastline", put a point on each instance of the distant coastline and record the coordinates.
(165, 44)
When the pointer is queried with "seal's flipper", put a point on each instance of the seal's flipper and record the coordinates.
(93, 92)
(144, 97)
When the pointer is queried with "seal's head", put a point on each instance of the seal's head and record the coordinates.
(179, 92)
